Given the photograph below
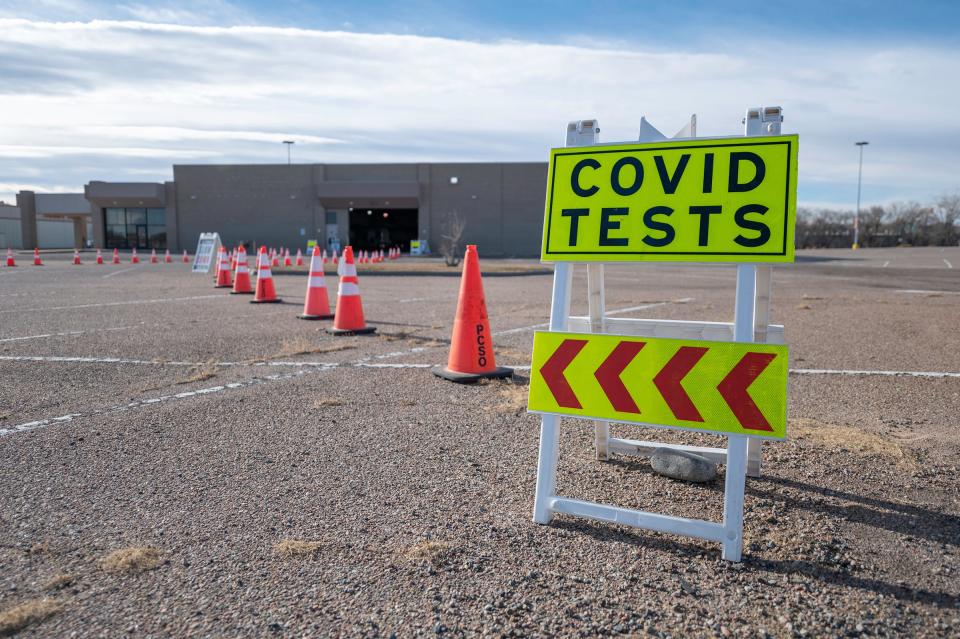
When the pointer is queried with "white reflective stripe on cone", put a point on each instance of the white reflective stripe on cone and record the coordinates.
(317, 281)
(348, 288)
(265, 273)
(347, 270)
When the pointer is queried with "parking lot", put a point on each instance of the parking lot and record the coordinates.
(140, 407)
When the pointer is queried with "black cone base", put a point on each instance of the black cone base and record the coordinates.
(468, 378)
(274, 301)
(366, 330)
(315, 317)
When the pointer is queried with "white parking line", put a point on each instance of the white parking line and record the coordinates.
(828, 371)
(920, 291)
(947, 262)
(123, 270)
(129, 303)
(615, 311)
(886, 264)
(67, 334)
(119, 408)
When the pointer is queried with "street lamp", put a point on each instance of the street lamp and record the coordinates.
(856, 217)
(289, 143)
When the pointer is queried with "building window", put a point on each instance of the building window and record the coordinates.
(135, 227)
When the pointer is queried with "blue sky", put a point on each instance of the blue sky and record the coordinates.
(121, 91)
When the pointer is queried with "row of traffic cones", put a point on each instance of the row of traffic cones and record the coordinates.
(134, 258)
(471, 355)
(348, 318)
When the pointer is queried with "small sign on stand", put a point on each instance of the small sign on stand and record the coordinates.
(207, 247)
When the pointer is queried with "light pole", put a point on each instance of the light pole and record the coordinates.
(856, 216)
(289, 143)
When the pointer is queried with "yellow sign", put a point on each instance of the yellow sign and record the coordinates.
(719, 200)
(715, 387)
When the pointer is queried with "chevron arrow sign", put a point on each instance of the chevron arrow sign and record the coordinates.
(714, 387)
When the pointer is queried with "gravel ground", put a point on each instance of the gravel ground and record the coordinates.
(226, 429)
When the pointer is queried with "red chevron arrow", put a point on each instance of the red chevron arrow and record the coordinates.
(734, 387)
(608, 374)
(552, 372)
(668, 381)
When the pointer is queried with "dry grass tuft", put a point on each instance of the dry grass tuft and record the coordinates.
(57, 582)
(300, 345)
(40, 548)
(408, 402)
(297, 548)
(803, 307)
(434, 552)
(513, 399)
(515, 355)
(850, 438)
(19, 617)
(328, 401)
(131, 560)
(201, 373)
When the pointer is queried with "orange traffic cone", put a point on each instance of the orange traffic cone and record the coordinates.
(99, 256)
(299, 261)
(323, 256)
(153, 256)
(76, 256)
(224, 277)
(133, 258)
(266, 293)
(275, 260)
(286, 258)
(349, 317)
(316, 305)
(10, 260)
(166, 257)
(471, 346)
(116, 256)
(186, 260)
(334, 256)
(36, 257)
(241, 280)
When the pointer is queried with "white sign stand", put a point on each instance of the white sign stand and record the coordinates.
(207, 246)
(751, 324)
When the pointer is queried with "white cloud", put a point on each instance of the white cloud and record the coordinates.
(231, 94)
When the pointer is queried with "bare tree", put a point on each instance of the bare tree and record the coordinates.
(453, 230)
(947, 213)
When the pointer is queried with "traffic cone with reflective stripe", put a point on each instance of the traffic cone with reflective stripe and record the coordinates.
(224, 278)
(349, 316)
(335, 256)
(153, 256)
(471, 346)
(286, 258)
(166, 257)
(76, 256)
(186, 259)
(99, 256)
(36, 257)
(266, 293)
(299, 258)
(10, 260)
(275, 260)
(317, 304)
(241, 282)
(116, 256)
(133, 258)
(323, 256)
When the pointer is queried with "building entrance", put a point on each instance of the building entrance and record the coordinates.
(374, 229)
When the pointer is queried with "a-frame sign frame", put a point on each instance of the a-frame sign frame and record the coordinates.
(751, 323)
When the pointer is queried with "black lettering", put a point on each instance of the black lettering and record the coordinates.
(575, 177)
(705, 212)
(760, 170)
(607, 225)
(708, 173)
(670, 183)
(574, 215)
(663, 227)
(637, 178)
(740, 217)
